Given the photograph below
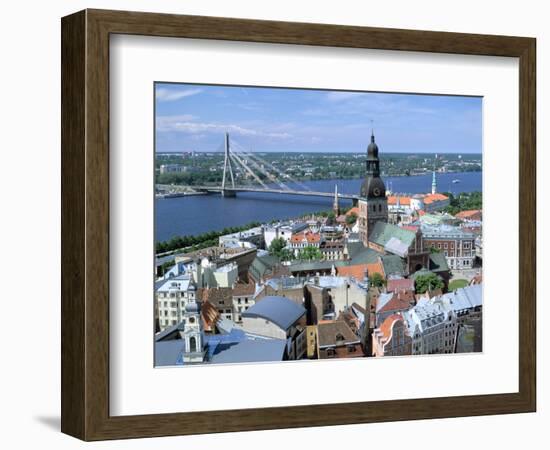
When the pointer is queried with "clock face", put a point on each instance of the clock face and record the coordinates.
(376, 192)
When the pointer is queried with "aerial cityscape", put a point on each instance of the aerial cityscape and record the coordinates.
(266, 253)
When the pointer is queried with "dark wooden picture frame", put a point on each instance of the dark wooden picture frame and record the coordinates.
(85, 224)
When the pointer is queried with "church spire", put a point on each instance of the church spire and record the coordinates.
(335, 205)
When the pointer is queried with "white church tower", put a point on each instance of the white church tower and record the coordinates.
(195, 347)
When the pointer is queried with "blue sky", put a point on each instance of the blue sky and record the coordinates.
(195, 117)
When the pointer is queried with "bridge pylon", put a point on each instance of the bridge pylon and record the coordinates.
(227, 167)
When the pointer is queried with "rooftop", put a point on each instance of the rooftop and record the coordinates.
(384, 232)
(179, 283)
(280, 310)
(446, 231)
(398, 284)
(387, 326)
(249, 350)
(333, 333)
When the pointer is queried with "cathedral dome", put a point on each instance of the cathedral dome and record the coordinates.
(373, 187)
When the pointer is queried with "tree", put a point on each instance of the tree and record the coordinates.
(286, 254)
(277, 246)
(376, 280)
(310, 253)
(429, 281)
(351, 218)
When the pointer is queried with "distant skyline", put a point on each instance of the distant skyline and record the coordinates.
(195, 117)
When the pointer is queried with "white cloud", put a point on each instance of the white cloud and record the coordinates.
(184, 124)
(170, 95)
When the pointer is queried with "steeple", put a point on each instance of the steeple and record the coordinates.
(372, 186)
(335, 205)
(434, 183)
(195, 346)
(373, 203)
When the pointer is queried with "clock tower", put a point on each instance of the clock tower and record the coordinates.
(373, 204)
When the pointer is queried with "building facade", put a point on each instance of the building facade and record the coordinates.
(458, 246)
(392, 338)
(172, 296)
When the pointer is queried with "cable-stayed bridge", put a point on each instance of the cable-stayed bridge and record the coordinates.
(257, 168)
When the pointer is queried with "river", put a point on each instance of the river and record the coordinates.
(201, 213)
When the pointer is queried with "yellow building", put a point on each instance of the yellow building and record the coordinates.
(311, 335)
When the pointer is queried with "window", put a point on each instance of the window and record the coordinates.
(445, 245)
(439, 245)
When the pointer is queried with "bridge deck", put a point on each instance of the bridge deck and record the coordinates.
(275, 191)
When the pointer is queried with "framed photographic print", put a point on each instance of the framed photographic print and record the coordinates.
(337, 221)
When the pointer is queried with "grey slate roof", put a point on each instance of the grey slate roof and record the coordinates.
(250, 350)
(465, 298)
(397, 247)
(280, 310)
(167, 353)
(263, 264)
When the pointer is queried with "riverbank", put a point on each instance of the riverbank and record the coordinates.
(194, 215)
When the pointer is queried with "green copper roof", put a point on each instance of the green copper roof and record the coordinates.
(383, 232)
(438, 262)
(393, 265)
(359, 254)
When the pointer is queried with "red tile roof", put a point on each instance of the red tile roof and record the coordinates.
(357, 271)
(387, 325)
(430, 198)
(308, 236)
(354, 210)
(469, 214)
(244, 289)
(209, 315)
(400, 284)
(399, 302)
(403, 200)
